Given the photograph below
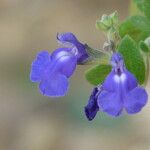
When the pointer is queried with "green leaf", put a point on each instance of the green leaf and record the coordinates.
(146, 8)
(139, 4)
(138, 27)
(97, 74)
(132, 57)
(144, 47)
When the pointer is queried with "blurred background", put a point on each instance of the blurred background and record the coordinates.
(30, 121)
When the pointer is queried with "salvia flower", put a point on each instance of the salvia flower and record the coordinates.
(52, 71)
(119, 91)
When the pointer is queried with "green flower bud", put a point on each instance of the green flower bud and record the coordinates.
(107, 21)
(113, 34)
(104, 23)
(101, 26)
(114, 17)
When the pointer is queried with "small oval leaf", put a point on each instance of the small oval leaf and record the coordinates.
(132, 57)
(97, 74)
(138, 27)
(144, 47)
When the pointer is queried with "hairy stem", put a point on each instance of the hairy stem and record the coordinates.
(147, 69)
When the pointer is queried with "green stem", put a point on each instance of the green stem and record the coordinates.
(147, 69)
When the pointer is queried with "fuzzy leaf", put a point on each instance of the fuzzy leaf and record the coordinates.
(146, 8)
(139, 4)
(132, 57)
(97, 74)
(144, 47)
(138, 27)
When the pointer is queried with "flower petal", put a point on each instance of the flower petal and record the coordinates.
(55, 85)
(92, 108)
(69, 66)
(126, 79)
(59, 52)
(131, 81)
(109, 83)
(39, 65)
(135, 100)
(110, 102)
(67, 38)
(64, 61)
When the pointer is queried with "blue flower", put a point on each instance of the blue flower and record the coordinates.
(52, 71)
(119, 91)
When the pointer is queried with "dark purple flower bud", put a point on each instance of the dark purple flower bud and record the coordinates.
(69, 40)
(92, 108)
